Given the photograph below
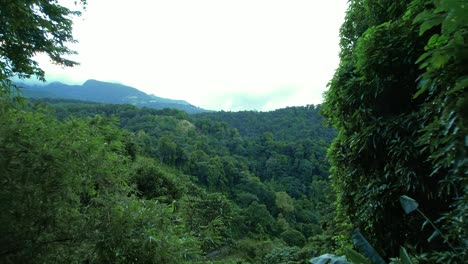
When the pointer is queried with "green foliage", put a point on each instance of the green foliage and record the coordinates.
(31, 27)
(128, 230)
(77, 187)
(208, 216)
(355, 257)
(152, 181)
(167, 150)
(398, 101)
(105, 181)
(361, 243)
(262, 179)
(72, 201)
(404, 256)
(284, 202)
(258, 219)
(293, 238)
(254, 250)
(286, 255)
(283, 124)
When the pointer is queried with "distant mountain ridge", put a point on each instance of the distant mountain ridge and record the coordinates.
(105, 92)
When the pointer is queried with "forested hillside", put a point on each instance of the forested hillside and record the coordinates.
(288, 123)
(85, 182)
(235, 197)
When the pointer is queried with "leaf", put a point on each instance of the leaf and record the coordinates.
(423, 57)
(355, 257)
(450, 24)
(458, 38)
(439, 59)
(405, 258)
(329, 259)
(429, 23)
(424, 224)
(449, 124)
(435, 234)
(432, 41)
(422, 85)
(461, 84)
(436, 41)
(422, 16)
(363, 245)
(408, 204)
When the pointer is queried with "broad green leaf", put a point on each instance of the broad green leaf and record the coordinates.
(439, 59)
(433, 40)
(450, 24)
(405, 258)
(429, 23)
(423, 57)
(422, 16)
(408, 204)
(436, 41)
(355, 257)
(363, 245)
(329, 259)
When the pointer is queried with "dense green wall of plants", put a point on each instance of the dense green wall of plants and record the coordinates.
(398, 101)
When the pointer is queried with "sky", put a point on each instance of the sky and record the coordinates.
(216, 54)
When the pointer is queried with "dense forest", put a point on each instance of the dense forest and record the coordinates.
(217, 193)
(400, 107)
(85, 182)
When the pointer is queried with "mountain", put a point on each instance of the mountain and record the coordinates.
(104, 92)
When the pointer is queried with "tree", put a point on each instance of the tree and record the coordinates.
(209, 217)
(284, 202)
(258, 219)
(53, 177)
(293, 238)
(400, 128)
(167, 150)
(64, 185)
(28, 28)
(151, 181)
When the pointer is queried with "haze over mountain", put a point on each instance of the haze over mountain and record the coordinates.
(105, 92)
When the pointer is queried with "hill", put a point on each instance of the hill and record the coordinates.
(254, 193)
(105, 92)
(286, 124)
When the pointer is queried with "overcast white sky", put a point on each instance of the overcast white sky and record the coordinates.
(216, 54)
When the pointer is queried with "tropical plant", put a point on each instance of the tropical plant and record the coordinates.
(398, 101)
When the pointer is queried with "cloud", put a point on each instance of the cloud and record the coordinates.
(216, 54)
(263, 101)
